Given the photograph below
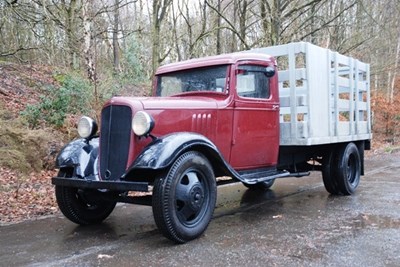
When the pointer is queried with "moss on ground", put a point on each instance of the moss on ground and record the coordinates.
(25, 150)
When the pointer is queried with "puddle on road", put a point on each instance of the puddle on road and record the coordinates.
(361, 222)
(371, 221)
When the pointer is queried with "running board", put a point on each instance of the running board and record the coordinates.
(263, 176)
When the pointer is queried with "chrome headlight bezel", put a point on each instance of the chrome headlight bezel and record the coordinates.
(142, 123)
(87, 127)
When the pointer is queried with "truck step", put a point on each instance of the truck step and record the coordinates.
(258, 173)
(255, 178)
(263, 175)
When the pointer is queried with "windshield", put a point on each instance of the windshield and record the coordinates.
(209, 79)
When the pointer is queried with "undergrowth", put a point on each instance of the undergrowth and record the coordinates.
(72, 97)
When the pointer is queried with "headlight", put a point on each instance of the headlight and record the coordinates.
(86, 127)
(142, 123)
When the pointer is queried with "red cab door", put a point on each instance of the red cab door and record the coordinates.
(255, 136)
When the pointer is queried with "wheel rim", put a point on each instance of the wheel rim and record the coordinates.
(83, 202)
(191, 197)
(352, 169)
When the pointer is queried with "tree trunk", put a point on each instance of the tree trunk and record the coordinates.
(159, 11)
(218, 33)
(276, 22)
(88, 52)
(396, 65)
(265, 23)
(70, 32)
(242, 22)
(116, 63)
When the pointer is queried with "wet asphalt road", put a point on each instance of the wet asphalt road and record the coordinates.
(297, 223)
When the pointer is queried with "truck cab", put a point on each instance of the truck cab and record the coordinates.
(206, 118)
(237, 105)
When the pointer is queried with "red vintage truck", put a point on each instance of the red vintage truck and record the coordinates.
(239, 115)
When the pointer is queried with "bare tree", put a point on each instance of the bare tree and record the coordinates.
(160, 8)
(101, 35)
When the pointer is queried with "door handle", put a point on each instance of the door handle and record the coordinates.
(275, 107)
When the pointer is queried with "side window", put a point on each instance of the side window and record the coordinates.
(252, 82)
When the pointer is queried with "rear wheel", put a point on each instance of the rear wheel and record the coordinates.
(341, 172)
(79, 208)
(348, 169)
(328, 178)
(184, 198)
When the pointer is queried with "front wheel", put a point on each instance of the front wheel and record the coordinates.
(79, 208)
(184, 198)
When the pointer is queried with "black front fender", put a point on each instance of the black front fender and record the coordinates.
(82, 156)
(163, 151)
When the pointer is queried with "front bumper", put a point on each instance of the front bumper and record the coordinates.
(110, 185)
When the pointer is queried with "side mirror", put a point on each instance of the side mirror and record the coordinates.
(244, 69)
(269, 72)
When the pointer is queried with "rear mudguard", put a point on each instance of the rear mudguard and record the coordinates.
(82, 156)
(163, 151)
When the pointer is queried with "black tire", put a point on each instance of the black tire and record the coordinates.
(342, 175)
(348, 169)
(328, 173)
(74, 204)
(260, 186)
(184, 199)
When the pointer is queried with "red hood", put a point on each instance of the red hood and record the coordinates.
(179, 103)
(152, 103)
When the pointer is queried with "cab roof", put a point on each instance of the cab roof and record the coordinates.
(215, 60)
